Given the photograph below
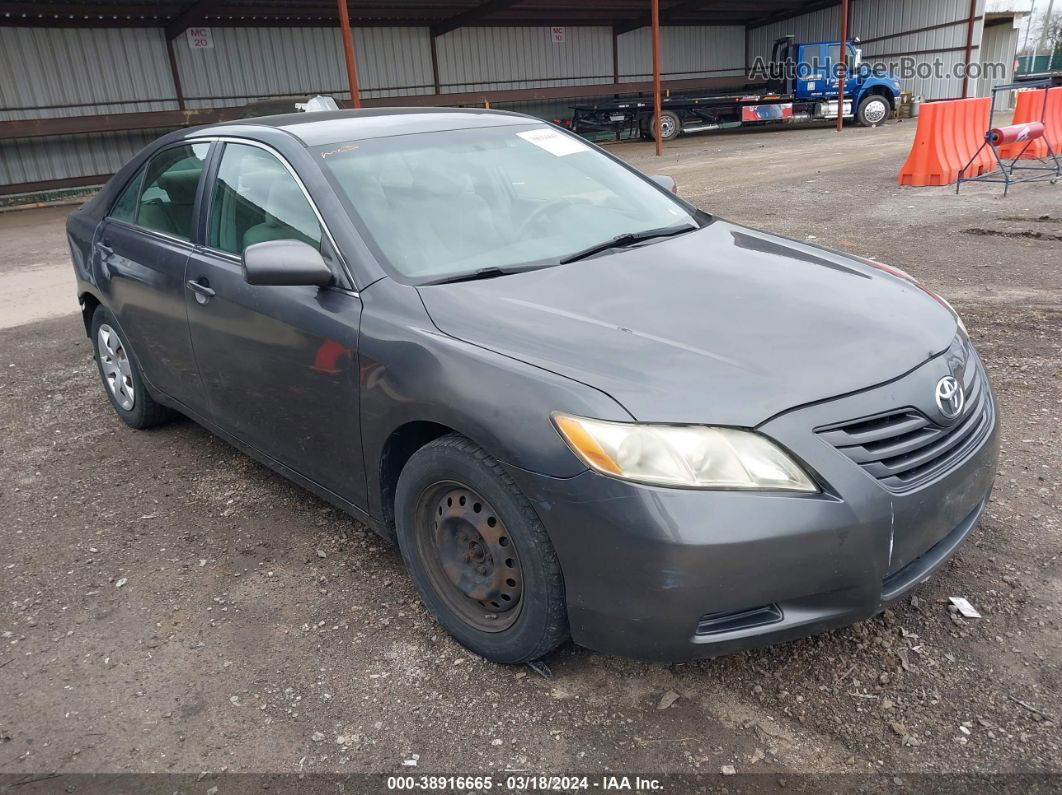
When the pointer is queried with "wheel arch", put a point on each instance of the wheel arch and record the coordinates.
(879, 89)
(89, 303)
(399, 447)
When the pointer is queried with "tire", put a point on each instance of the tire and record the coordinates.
(873, 110)
(671, 126)
(121, 376)
(478, 554)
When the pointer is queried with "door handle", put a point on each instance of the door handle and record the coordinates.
(104, 248)
(202, 289)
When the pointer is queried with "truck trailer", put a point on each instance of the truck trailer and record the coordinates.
(803, 85)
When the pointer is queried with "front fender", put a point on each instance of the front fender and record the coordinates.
(876, 85)
(412, 372)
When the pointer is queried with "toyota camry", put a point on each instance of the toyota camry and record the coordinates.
(582, 407)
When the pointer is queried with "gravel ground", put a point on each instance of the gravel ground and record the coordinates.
(167, 604)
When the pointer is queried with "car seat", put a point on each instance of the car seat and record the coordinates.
(288, 216)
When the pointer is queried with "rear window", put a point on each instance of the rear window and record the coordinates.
(125, 208)
(171, 179)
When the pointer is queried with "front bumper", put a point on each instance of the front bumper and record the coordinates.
(672, 574)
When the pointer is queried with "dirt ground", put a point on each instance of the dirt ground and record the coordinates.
(167, 604)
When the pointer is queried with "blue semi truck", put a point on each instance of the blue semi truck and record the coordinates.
(802, 85)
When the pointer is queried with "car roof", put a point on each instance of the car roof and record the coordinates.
(331, 127)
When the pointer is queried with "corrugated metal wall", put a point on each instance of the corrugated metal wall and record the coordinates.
(476, 59)
(883, 25)
(102, 70)
(85, 72)
(126, 70)
(684, 52)
(999, 45)
(817, 26)
(120, 70)
(253, 63)
(63, 156)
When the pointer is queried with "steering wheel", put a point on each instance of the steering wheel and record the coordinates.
(542, 211)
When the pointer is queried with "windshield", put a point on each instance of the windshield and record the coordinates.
(449, 203)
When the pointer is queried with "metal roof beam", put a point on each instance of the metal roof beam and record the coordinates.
(642, 20)
(702, 12)
(792, 11)
(473, 15)
(191, 16)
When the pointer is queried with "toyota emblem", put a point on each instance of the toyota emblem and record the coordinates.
(950, 397)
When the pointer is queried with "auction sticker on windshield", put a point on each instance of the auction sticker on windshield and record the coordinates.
(553, 142)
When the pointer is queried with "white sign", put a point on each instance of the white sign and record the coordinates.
(554, 142)
(200, 39)
(557, 34)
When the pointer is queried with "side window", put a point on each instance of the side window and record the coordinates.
(125, 208)
(256, 199)
(834, 58)
(167, 201)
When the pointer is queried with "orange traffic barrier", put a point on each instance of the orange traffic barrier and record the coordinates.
(948, 137)
(1053, 119)
(1029, 108)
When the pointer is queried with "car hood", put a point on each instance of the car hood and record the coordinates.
(725, 325)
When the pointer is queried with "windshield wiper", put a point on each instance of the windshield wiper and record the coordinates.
(482, 273)
(629, 239)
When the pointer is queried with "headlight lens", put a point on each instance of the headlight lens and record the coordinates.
(690, 456)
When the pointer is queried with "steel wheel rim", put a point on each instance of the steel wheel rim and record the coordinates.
(876, 112)
(667, 126)
(116, 366)
(470, 556)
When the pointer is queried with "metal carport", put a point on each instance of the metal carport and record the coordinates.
(441, 25)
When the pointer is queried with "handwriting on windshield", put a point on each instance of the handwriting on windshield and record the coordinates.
(339, 151)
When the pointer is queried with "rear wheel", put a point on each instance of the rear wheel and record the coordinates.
(121, 376)
(670, 126)
(478, 554)
(873, 110)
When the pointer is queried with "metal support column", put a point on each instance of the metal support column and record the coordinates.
(348, 51)
(657, 125)
(842, 67)
(969, 48)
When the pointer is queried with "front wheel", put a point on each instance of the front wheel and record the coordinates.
(478, 554)
(873, 110)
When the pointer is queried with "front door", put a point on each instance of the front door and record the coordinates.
(850, 71)
(279, 364)
(140, 252)
(813, 78)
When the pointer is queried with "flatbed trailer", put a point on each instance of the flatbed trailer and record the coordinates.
(634, 117)
(803, 85)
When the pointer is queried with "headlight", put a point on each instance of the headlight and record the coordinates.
(690, 456)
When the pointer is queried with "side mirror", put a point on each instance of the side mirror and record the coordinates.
(285, 263)
(665, 182)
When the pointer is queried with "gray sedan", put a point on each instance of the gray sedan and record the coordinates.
(581, 406)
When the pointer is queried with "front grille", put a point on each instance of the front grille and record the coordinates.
(903, 449)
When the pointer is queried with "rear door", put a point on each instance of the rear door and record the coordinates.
(279, 364)
(140, 252)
